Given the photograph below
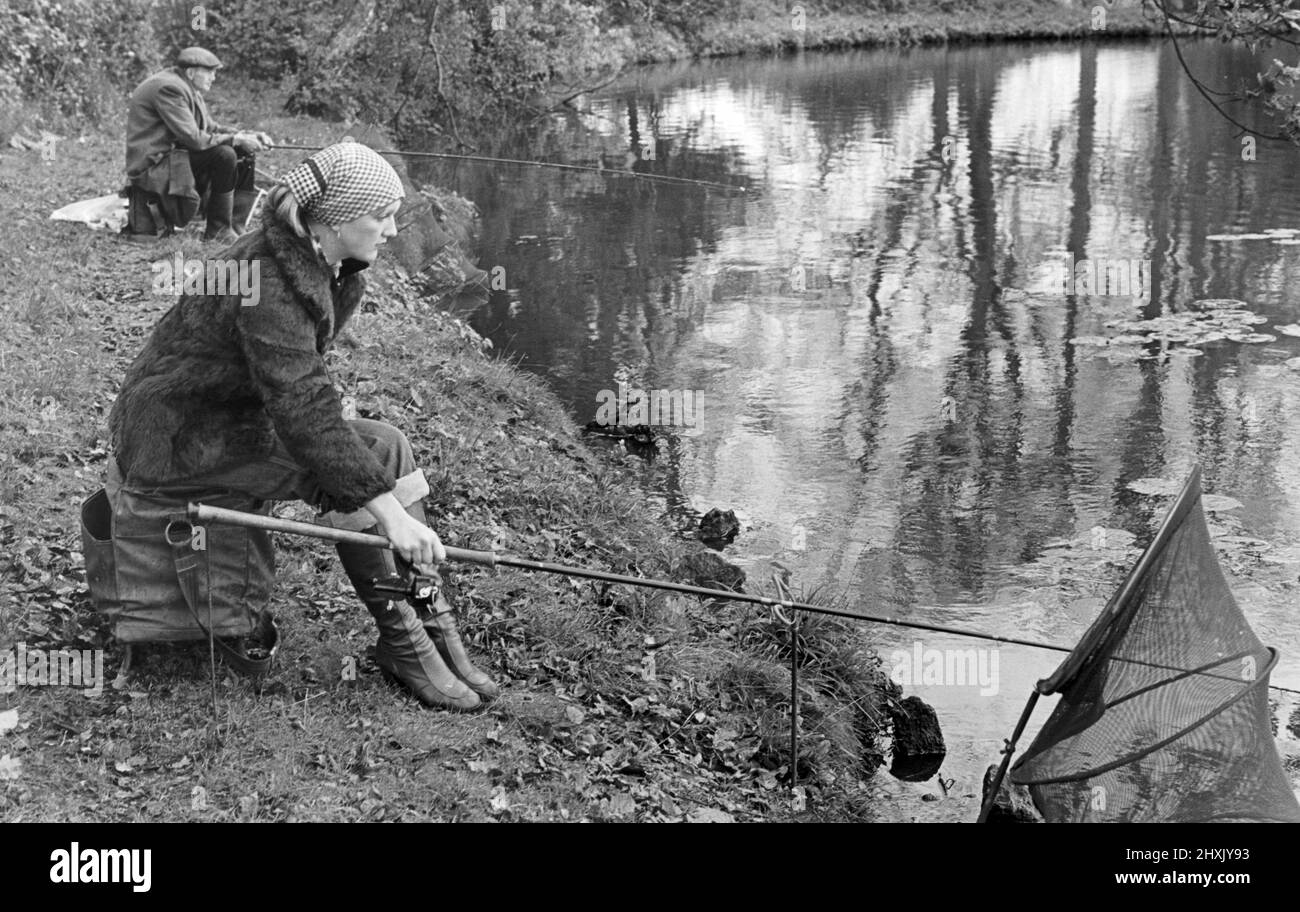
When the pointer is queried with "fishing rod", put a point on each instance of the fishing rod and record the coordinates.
(201, 513)
(616, 172)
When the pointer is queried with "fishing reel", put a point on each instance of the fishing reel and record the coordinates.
(419, 590)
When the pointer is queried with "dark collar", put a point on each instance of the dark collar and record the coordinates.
(348, 267)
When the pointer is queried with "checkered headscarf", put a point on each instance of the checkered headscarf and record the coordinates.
(344, 181)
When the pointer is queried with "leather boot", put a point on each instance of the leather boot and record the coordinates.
(404, 652)
(440, 624)
(245, 200)
(221, 208)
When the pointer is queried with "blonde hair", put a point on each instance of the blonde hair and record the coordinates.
(285, 205)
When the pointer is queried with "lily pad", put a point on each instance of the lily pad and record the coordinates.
(1218, 304)
(1217, 503)
(1118, 354)
(1209, 320)
(1257, 338)
(1100, 538)
(1169, 487)
(1291, 329)
(1156, 487)
(1231, 238)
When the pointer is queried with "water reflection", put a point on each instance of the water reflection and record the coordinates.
(882, 380)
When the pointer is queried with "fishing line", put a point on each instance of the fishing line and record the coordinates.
(614, 172)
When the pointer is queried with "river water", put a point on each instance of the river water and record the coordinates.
(892, 397)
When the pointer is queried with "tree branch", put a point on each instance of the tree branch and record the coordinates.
(1200, 87)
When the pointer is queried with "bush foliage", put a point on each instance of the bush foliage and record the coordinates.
(414, 64)
(428, 68)
(70, 55)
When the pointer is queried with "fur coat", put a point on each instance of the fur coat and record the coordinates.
(217, 378)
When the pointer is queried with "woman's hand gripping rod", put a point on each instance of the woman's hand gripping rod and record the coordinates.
(201, 513)
(420, 589)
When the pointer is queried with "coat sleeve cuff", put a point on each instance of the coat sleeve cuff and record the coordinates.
(411, 488)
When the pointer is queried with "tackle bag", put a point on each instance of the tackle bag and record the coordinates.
(159, 578)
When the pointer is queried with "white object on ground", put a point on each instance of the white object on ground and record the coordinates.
(101, 212)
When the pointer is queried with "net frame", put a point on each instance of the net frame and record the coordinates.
(1082, 679)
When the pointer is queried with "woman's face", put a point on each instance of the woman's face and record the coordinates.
(362, 237)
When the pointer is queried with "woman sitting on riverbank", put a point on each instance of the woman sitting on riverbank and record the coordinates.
(238, 398)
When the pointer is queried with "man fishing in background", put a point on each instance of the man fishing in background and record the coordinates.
(176, 151)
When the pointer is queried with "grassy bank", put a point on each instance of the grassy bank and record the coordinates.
(619, 704)
(769, 26)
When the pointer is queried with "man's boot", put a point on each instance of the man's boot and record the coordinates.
(221, 208)
(404, 652)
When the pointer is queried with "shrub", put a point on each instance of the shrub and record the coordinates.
(259, 40)
(72, 53)
(422, 70)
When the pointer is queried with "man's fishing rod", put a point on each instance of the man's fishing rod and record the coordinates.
(201, 513)
(538, 164)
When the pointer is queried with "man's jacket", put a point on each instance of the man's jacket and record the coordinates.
(165, 112)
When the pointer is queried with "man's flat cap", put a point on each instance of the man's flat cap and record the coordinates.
(197, 57)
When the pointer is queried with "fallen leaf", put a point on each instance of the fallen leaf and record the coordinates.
(10, 768)
(574, 714)
(8, 720)
(798, 799)
(709, 815)
(620, 805)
